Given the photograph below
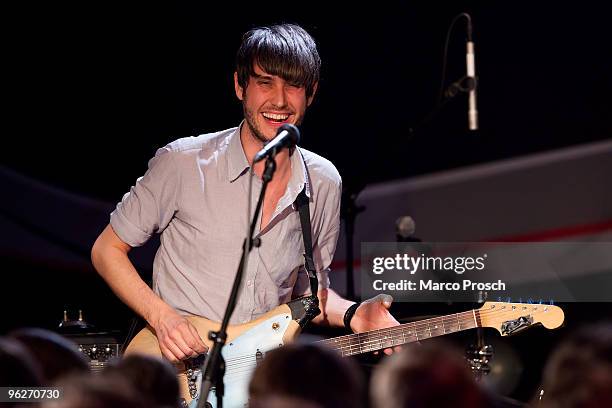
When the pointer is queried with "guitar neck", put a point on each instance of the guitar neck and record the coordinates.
(359, 343)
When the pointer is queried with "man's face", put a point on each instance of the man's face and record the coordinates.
(269, 101)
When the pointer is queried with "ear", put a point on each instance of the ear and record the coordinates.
(314, 92)
(237, 87)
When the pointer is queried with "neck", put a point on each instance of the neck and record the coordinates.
(251, 145)
(405, 333)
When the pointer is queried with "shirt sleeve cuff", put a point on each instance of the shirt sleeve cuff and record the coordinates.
(128, 232)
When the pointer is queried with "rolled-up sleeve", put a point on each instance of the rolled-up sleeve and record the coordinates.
(150, 204)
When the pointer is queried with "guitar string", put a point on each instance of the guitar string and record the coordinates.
(466, 315)
(374, 336)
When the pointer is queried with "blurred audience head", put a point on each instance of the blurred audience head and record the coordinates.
(155, 379)
(56, 355)
(96, 391)
(578, 374)
(18, 368)
(431, 375)
(306, 376)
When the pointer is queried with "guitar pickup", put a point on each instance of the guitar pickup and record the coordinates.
(516, 325)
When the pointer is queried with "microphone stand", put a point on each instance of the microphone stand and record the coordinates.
(214, 366)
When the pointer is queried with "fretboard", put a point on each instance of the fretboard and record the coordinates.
(405, 333)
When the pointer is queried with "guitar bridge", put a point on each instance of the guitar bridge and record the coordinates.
(516, 325)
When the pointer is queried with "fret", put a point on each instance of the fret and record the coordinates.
(436, 330)
(451, 326)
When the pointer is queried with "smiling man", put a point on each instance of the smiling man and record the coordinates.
(195, 193)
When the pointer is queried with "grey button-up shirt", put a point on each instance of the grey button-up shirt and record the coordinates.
(195, 194)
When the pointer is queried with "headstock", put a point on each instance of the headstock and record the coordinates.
(509, 318)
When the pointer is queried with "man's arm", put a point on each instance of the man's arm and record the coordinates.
(370, 315)
(178, 339)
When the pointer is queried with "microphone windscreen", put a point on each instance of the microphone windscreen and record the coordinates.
(405, 226)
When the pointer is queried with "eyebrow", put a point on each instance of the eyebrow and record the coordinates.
(257, 76)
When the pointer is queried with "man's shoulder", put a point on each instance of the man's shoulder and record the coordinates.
(319, 167)
(196, 145)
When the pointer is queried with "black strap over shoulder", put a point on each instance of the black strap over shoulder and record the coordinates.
(303, 207)
(304, 210)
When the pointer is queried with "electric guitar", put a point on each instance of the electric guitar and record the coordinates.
(247, 343)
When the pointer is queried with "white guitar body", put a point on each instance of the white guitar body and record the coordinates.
(241, 357)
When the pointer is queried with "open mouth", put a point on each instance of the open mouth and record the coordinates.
(276, 118)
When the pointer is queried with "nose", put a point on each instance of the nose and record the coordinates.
(279, 96)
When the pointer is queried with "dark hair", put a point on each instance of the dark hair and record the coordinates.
(284, 50)
(57, 355)
(306, 375)
(433, 374)
(153, 377)
(18, 368)
(579, 372)
(97, 391)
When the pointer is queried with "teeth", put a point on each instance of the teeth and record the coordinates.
(275, 116)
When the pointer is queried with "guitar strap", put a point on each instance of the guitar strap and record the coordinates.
(302, 204)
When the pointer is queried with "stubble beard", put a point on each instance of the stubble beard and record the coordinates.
(252, 124)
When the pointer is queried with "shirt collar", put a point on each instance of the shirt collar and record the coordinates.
(299, 175)
(237, 162)
(238, 165)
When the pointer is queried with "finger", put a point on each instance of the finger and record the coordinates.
(167, 353)
(386, 300)
(397, 348)
(177, 340)
(388, 351)
(196, 343)
(178, 353)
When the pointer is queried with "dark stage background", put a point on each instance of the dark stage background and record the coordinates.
(91, 90)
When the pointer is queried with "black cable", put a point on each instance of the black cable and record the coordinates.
(442, 99)
(445, 52)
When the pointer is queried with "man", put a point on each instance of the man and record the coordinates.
(195, 193)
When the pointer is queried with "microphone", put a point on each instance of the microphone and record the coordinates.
(404, 229)
(471, 74)
(287, 136)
